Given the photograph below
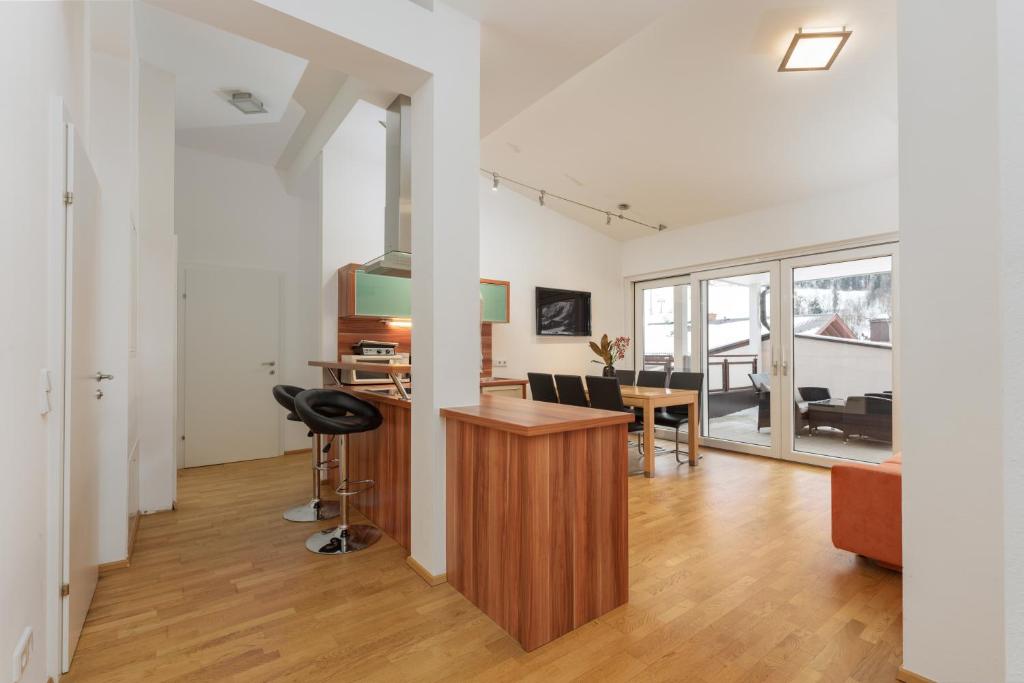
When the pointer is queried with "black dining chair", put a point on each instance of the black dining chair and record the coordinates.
(570, 390)
(677, 416)
(627, 378)
(542, 387)
(652, 378)
(606, 394)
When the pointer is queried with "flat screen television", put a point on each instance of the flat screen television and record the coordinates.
(563, 313)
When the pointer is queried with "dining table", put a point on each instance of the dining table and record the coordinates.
(655, 398)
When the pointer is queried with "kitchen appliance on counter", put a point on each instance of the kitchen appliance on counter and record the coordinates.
(370, 377)
(367, 347)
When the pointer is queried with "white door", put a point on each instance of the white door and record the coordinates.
(662, 325)
(86, 362)
(232, 327)
(739, 351)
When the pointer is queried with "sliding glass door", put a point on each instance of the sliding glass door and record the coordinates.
(662, 325)
(838, 362)
(797, 354)
(739, 357)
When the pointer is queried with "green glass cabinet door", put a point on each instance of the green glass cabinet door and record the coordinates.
(496, 303)
(383, 295)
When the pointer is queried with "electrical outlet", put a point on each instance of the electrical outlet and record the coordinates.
(501, 363)
(22, 654)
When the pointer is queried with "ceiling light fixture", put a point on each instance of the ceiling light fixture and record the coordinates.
(246, 103)
(814, 49)
(544, 195)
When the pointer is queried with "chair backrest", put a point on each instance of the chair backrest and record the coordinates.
(877, 405)
(814, 393)
(686, 380)
(327, 411)
(542, 387)
(605, 393)
(627, 378)
(570, 390)
(761, 381)
(652, 378)
(285, 395)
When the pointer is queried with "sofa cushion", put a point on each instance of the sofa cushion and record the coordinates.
(866, 514)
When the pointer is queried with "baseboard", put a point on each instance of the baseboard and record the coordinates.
(133, 529)
(431, 579)
(296, 451)
(905, 676)
(108, 567)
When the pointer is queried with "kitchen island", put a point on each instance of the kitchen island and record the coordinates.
(536, 513)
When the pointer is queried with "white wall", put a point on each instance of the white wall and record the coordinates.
(35, 70)
(158, 318)
(353, 207)
(532, 246)
(852, 214)
(961, 161)
(237, 213)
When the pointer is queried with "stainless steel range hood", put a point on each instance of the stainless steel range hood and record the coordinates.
(397, 258)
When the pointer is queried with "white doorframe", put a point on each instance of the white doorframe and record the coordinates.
(54, 376)
(638, 314)
(787, 449)
(698, 294)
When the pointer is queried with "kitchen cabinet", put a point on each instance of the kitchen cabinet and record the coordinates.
(367, 295)
(495, 296)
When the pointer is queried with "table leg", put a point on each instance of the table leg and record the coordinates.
(648, 439)
(693, 432)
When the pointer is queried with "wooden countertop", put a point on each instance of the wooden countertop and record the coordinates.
(399, 368)
(386, 393)
(533, 418)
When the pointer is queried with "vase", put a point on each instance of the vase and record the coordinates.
(609, 371)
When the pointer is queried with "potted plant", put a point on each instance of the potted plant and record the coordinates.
(610, 351)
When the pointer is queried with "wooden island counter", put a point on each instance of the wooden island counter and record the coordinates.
(537, 523)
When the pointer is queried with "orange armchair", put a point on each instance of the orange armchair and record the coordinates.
(866, 510)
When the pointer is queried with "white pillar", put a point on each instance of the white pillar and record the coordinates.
(446, 268)
(961, 181)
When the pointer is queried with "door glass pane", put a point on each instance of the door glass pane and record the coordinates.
(737, 357)
(666, 328)
(842, 359)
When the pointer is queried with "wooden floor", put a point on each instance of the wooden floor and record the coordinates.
(732, 578)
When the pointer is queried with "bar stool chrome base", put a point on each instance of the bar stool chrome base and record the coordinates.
(313, 511)
(338, 541)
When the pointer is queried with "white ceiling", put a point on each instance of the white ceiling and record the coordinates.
(531, 46)
(208, 63)
(688, 119)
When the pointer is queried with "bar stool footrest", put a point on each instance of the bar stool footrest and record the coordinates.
(352, 488)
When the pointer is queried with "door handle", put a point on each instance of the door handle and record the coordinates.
(775, 367)
(100, 376)
(99, 394)
(785, 368)
(269, 363)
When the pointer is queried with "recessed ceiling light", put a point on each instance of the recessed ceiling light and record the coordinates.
(246, 103)
(814, 49)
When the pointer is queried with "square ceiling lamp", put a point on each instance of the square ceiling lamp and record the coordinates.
(814, 49)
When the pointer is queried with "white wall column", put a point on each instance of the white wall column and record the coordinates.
(446, 268)
(158, 306)
(961, 173)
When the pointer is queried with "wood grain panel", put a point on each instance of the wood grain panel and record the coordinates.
(384, 455)
(537, 526)
(533, 418)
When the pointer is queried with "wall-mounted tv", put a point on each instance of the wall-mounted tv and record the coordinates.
(563, 313)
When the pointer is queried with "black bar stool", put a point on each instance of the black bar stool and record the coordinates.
(316, 509)
(326, 411)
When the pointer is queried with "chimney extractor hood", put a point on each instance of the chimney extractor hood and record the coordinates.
(397, 258)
